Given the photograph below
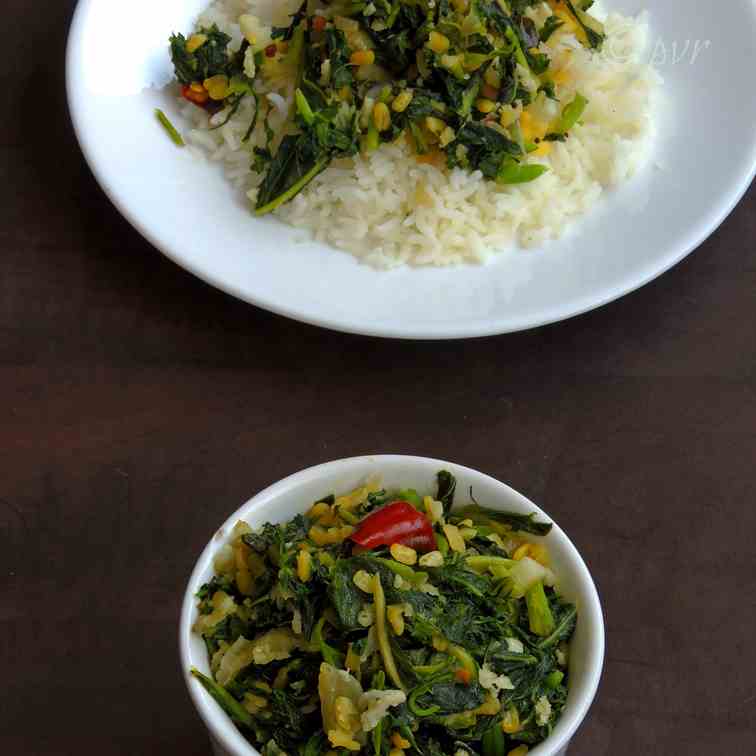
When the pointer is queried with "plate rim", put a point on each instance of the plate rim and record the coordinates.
(495, 326)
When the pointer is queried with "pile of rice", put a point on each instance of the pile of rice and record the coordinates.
(388, 210)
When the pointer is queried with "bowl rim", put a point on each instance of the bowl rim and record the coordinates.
(720, 209)
(222, 729)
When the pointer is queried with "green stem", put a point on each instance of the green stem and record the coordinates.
(329, 654)
(303, 107)
(592, 28)
(493, 741)
(519, 54)
(295, 188)
(482, 563)
(442, 544)
(169, 128)
(372, 139)
(252, 125)
(384, 645)
(432, 669)
(512, 658)
(225, 700)
(404, 571)
(556, 636)
(415, 693)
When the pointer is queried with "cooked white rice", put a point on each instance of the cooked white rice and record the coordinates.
(387, 209)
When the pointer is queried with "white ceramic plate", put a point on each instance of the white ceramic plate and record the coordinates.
(705, 159)
(289, 496)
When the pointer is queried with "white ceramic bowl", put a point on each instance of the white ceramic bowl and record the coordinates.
(290, 496)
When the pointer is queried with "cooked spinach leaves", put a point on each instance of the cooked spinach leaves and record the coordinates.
(441, 74)
(313, 643)
(211, 58)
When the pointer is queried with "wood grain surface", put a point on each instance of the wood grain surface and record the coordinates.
(139, 407)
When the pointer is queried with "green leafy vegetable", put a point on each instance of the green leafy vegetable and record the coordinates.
(294, 165)
(303, 631)
(486, 148)
(315, 745)
(565, 619)
(445, 72)
(551, 25)
(549, 89)
(300, 158)
(346, 597)
(210, 59)
(450, 698)
(511, 520)
(338, 54)
(493, 742)
(225, 700)
(330, 654)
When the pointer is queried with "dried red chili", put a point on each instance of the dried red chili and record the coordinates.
(398, 522)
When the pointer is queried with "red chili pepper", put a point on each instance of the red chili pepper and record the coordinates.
(271, 50)
(463, 675)
(399, 522)
(198, 98)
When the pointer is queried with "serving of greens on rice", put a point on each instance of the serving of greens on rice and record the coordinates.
(420, 131)
(386, 623)
(453, 78)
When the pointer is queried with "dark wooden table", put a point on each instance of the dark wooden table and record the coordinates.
(139, 407)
